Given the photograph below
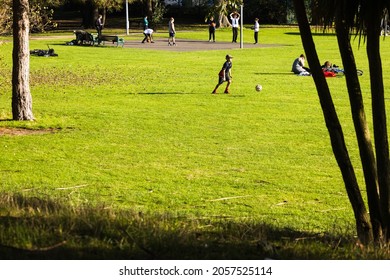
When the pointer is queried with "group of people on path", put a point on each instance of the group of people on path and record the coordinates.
(148, 32)
(212, 25)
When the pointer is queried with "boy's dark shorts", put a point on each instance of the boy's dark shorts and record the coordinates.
(221, 80)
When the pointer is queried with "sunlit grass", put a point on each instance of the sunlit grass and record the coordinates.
(138, 130)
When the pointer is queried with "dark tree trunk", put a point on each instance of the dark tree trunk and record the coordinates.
(379, 112)
(340, 151)
(89, 12)
(361, 127)
(149, 9)
(21, 95)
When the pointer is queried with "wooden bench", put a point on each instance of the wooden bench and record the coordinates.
(115, 39)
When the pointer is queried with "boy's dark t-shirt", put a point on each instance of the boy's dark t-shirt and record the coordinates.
(227, 66)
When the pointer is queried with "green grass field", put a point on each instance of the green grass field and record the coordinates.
(138, 132)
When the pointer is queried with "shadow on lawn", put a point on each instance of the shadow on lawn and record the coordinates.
(168, 93)
(327, 33)
(42, 229)
(174, 93)
(275, 73)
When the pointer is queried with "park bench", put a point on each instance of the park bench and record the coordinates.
(115, 39)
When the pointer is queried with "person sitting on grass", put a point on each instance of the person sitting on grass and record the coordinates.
(299, 68)
(329, 67)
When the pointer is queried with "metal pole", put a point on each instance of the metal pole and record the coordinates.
(127, 17)
(241, 27)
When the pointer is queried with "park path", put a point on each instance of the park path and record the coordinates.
(182, 45)
(193, 45)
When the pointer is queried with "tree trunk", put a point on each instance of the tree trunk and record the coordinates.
(340, 151)
(379, 113)
(223, 21)
(21, 95)
(361, 127)
(149, 9)
(89, 12)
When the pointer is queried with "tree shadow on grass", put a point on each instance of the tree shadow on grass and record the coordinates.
(275, 73)
(325, 34)
(165, 93)
(48, 229)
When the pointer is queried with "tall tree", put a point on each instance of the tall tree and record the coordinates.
(221, 9)
(372, 17)
(105, 6)
(149, 8)
(21, 95)
(91, 8)
(361, 17)
(366, 149)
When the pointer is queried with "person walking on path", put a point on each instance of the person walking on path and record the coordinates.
(235, 18)
(99, 25)
(211, 23)
(145, 23)
(225, 75)
(172, 32)
(256, 29)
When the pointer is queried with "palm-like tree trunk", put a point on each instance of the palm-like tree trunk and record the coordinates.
(334, 128)
(379, 111)
(21, 95)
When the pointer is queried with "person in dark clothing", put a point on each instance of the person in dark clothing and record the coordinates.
(99, 25)
(225, 75)
(145, 23)
(212, 25)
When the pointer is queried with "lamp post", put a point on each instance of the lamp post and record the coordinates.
(242, 26)
(127, 17)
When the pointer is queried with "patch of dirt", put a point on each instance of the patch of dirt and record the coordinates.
(24, 131)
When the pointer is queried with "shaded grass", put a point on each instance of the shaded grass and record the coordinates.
(63, 232)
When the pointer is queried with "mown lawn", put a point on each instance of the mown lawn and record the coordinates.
(138, 131)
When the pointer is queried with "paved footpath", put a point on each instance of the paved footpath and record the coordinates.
(182, 45)
(192, 45)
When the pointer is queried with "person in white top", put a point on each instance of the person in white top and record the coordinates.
(148, 35)
(235, 18)
(172, 32)
(256, 29)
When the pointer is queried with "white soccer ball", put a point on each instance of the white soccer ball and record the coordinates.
(258, 87)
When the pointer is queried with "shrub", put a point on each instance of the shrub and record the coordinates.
(41, 17)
